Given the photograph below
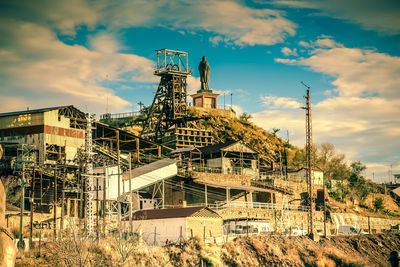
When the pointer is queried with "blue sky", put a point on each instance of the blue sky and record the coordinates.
(90, 53)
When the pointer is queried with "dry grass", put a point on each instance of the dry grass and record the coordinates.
(274, 250)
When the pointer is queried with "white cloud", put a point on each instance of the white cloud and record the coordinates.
(280, 102)
(380, 16)
(104, 43)
(65, 16)
(193, 85)
(216, 40)
(362, 118)
(40, 69)
(231, 21)
(289, 52)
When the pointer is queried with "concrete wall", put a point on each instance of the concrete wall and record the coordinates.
(165, 229)
(317, 176)
(112, 183)
(300, 219)
(222, 178)
(198, 226)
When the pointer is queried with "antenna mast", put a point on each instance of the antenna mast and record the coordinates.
(308, 158)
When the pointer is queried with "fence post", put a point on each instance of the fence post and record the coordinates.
(155, 235)
(204, 234)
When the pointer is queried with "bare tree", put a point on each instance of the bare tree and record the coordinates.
(125, 245)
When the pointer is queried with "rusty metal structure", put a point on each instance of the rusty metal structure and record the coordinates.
(167, 121)
(169, 107)
(307, 108)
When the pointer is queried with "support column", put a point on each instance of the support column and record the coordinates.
(251, 199)
(206, 198)
(105, 179)
(163, 194)
(228, 195)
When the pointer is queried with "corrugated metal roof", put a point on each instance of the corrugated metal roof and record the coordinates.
(223, 147)
(174, 213)
(30, 111)
(149, 168)
(183, 149)
(217, 147)
(240, 187)
(397, 191)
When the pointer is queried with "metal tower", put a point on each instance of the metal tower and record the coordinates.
(89, 217)
(308, 158)
(169, 107)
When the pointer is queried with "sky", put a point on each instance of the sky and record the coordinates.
(99, 56)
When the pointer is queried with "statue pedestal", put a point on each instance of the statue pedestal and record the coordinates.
(205, 99)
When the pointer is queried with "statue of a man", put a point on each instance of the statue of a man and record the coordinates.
(204, 70)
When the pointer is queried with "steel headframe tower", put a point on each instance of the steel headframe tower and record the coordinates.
(308, 158)
(169, 107)
(89, 217)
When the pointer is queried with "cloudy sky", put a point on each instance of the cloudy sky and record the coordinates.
(90, 53)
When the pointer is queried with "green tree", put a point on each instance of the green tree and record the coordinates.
(245, 116)
(357, 167)
(378, 204)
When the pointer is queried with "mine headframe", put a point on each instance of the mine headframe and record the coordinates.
(169, 107)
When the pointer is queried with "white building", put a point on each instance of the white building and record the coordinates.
(317, 175)
(178, 224)
(141, 177)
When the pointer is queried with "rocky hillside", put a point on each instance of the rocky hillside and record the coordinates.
(225, 125)
(267, 250)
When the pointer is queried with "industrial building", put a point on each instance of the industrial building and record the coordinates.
(171, 177)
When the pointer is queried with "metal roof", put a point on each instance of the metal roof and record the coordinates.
(239, 187)
(397, 191)
(31, 111)
(222, 146)
(182, 150)
(149, 168)
(217, 147)
(174, 213)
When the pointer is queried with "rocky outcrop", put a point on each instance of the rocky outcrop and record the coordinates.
(7, 247)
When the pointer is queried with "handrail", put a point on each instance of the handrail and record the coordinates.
(259, 205)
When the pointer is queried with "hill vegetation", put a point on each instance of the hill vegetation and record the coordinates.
(344, 179)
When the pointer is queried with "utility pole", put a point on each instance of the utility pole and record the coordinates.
(21, 243)
(32, 200)
(308, 158)
(55, 204)
(119, 177)
(104, 198)
(63, 194)
(131, 193)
